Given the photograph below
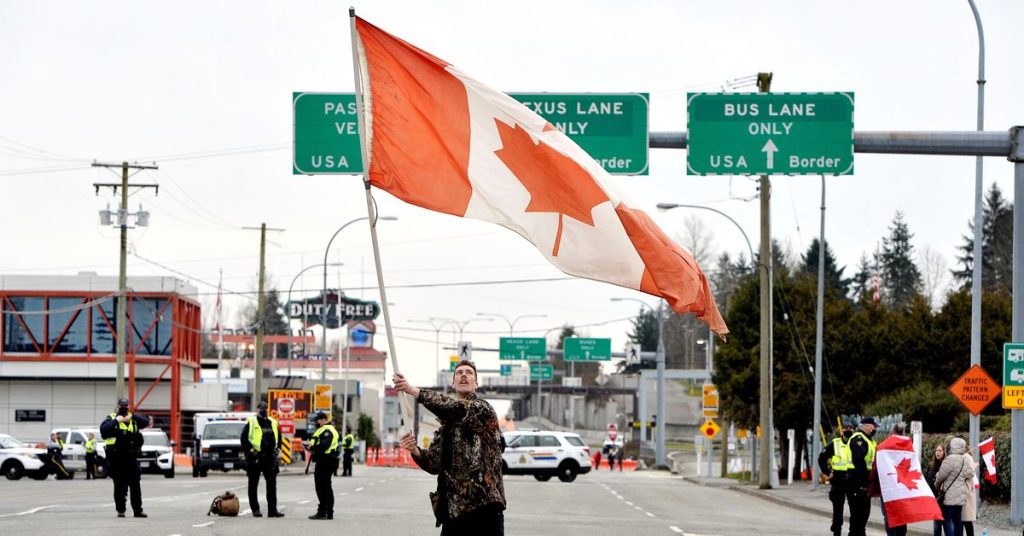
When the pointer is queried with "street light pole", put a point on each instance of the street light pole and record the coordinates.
(292, 285)
(323, 302)
(974, 424)
(659, 442)
(461, 326)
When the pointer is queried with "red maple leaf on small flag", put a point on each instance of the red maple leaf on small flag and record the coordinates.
(905, 476)
(556, 182)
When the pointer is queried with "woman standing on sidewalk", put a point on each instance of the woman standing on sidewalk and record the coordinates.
(929, 476)
(953, 479)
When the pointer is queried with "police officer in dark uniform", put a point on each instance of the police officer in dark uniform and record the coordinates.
(324, 445)
(862, 451)
(122, 432)
(834, 462)
(348, 446)
(261, 441)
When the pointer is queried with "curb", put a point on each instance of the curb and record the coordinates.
(781, 501)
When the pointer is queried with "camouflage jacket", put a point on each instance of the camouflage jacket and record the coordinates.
(472, 479)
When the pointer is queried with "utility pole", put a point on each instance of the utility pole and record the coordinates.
(764, 81)
(122, 277)
(257, 384)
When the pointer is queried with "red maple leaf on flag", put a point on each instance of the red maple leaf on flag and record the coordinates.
(905, 476)
(556, 182)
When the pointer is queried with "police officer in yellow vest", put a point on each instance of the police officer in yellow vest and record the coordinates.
(261, 441)
(834, 462)
(348, 445)
(90, 457)
(324, 445)
(862, 451)
(122, 432)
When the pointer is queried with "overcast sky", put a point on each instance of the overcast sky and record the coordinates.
(204, 89)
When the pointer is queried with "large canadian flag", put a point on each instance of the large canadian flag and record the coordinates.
(438, 139)
(908, 499)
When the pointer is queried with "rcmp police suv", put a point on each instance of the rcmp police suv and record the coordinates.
(18, 459)
(546, 454)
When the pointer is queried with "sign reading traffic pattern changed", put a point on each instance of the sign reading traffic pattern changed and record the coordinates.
(769, 134)
(610, 127)
(584, 349)
(975, 389)
(1013, 375)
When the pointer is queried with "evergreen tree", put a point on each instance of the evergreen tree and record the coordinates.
(833, 275)
(901, 279)
(996, 246)
(862, 283)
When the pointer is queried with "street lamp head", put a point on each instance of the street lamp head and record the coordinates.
(667, 206)
(388, 218)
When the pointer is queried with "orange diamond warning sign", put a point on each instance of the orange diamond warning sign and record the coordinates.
(710, 428)
(975, 389)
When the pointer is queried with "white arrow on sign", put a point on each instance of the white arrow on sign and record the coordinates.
(770, 149)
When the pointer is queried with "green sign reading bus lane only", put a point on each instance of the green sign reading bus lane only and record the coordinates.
(769, 134)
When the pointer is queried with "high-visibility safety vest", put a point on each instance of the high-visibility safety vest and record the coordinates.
(128, 426)
(90, 446)
(842, 456)
(349, 442)
(256, 432)
(333, 448)
(870, 456)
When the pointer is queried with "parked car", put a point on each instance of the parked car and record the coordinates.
(157, 453)
(545, 454)
(18, 459)
(74, 449)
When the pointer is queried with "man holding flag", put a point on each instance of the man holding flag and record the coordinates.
(896, 476)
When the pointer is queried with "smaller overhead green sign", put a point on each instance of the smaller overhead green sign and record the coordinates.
(584, 349)
(541, 372)
(522, 348)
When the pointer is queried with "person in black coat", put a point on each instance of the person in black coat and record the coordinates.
(261, 440)
(122, 432)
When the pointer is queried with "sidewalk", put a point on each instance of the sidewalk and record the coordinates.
(800, 497)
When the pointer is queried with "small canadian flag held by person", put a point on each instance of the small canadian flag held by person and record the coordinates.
(987, 448)
(908, 499)
(438, 139)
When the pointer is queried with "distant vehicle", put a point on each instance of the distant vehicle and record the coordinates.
(74, 448)
(1017, 375)
(218, 443)
(1015, 355)
(18, 459)
(157, 453)
(545, 454)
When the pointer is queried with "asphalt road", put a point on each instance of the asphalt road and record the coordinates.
(387, 501)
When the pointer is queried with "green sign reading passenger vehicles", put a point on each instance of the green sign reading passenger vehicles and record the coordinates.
(326, 134)
(769, 134)
(610, 127)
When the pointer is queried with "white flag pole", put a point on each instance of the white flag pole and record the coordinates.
(220, 328)
(371, 209)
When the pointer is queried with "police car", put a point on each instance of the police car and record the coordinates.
(545, 454)
(18, 459)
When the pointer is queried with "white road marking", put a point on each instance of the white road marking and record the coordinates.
(649, 514)
(372, 483)
(629, 503)
(638, 508)
(207, 524)
(620, 497)
(676, 529)
(304, 502)
(359, 489)
(32, 511)
(245, 512)
(343, 494)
